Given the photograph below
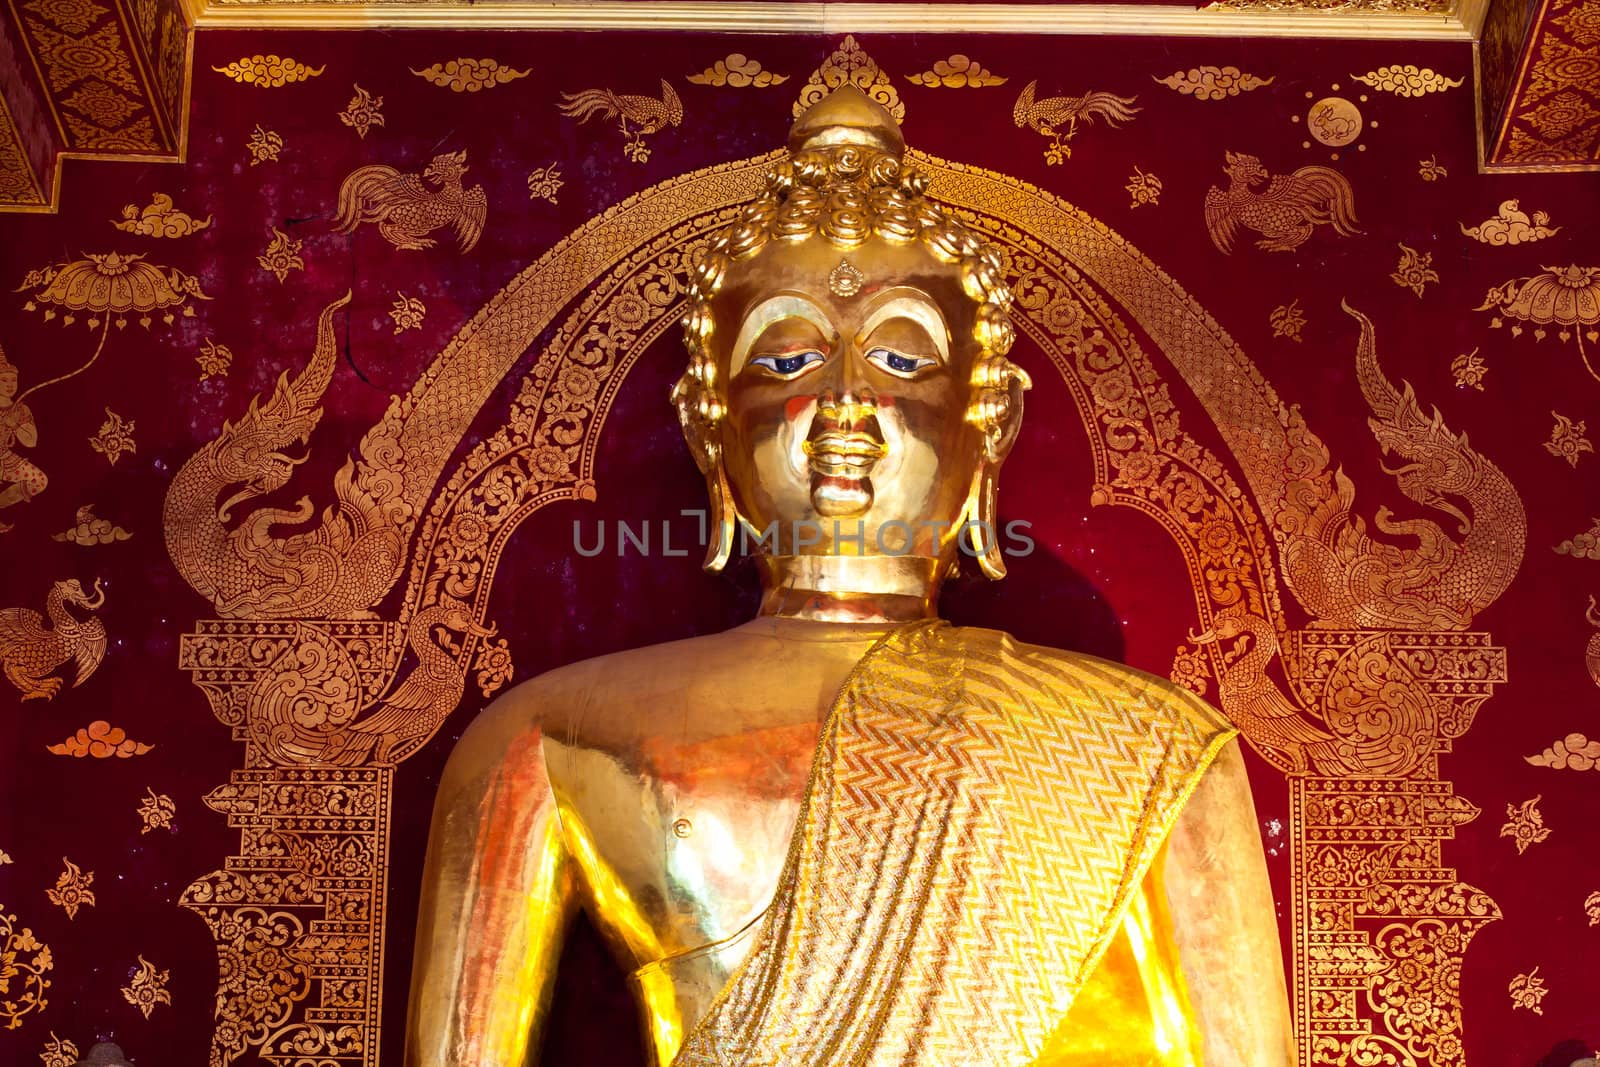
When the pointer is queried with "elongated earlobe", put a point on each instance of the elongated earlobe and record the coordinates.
(980, 525)
(724, 519)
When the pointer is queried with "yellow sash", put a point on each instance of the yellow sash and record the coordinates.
(979, 815)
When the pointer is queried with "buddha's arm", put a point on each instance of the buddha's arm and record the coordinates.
(497, 894)
(1224, 922)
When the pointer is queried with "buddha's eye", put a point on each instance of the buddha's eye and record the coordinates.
(790, 366)
(898, 362)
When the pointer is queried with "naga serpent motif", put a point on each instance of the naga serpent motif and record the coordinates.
(1348, 579)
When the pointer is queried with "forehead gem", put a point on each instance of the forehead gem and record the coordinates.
(845, 280)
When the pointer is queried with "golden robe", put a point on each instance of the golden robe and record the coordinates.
(979, 820)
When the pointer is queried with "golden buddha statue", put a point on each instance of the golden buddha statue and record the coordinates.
(846, 831)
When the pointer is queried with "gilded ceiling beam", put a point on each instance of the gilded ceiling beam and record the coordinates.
(88, 81)
(1539, 86)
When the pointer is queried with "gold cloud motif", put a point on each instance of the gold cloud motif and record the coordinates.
(957, 72)
(737, 71)
(1575, 752)
(92, 530)
(469, 75)
(100, 740)
(159, 219)
(1212, 83)
(269, 72)
(1511, 226)
(1407, 80)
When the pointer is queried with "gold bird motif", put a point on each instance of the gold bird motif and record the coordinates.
(1285, 211)
(1047, 116)
(406, 210)
(646, 113)
(1253, 701)
(428, 694)
(30, 652)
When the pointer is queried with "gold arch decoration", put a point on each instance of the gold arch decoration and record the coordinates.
(341, 651)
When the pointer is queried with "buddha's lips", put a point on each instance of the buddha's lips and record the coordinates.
(844, 454)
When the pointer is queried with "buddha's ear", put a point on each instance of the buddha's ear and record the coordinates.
(702, 435)
(999, 416)
(1007, 422)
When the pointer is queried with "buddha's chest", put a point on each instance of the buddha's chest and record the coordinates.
(679, 841)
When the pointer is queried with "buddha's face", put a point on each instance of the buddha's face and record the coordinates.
(846, 415)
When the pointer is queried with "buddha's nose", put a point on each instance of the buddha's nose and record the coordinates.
(843, 392)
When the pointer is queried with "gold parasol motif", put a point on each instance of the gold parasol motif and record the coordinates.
(1568, 298)
(110, 288)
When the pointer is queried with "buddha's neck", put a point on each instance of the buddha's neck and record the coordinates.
(832, 588)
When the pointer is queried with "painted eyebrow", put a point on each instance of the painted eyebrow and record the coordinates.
(920, 310)
(771, 310)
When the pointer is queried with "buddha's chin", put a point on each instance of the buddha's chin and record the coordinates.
(837, 497)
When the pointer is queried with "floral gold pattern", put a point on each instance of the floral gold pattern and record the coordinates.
(214, 360)
(4, 858)
(1591, 907)
(1469, 370)
(1567, 439)
(363, 112)
(469, 75)
(1524, 825)
(90, 529)
(1511, 226)
(1550, 117)
(59, 1052)
(268, 72)
(148, 988)
(1415, 270)
(637, 115)
(1212, 83)
(494, 666)
(406, 209)
(1284, 210)
(23, 961)
(100, 740)
(264, 145)
(849, 64)
(407, 313)
(737, 71)
(1431, 170)
(156, 811)
(544, 183)
(1575, 752)
(1287, 320)
(1585, 545)
(72, 889)
(160, 219)
(1407, 80)
(1143, 188)
(281, 255)
(957, 72)
(1527, 991)
(114, 438)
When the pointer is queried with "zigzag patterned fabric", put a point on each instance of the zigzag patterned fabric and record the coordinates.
(979, 813)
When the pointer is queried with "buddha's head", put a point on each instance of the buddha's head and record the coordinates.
(848, 391)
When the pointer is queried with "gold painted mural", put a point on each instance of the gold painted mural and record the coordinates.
(1345, 642)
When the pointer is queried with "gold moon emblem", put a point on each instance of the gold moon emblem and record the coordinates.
(1334, 121)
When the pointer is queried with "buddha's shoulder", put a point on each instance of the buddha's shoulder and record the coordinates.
(563, 698)
(1081, 684)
